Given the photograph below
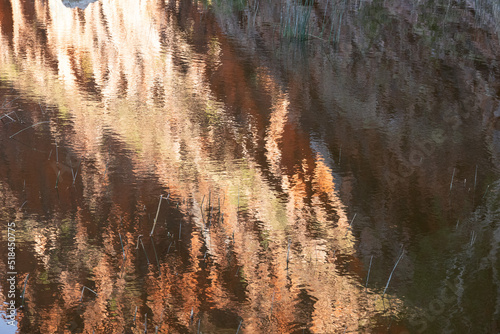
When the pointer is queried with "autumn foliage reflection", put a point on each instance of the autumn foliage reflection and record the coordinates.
(132, 109)
(145, 99)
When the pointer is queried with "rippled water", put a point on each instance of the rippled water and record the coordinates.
(250, 167)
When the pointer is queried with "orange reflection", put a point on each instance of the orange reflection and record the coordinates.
(144, 114)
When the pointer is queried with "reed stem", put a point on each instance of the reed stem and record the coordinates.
(392, 272)
(156, 218)
(83, 288)
(57, 179)
(288, 253)
(452, 177)
(123, 250)
(24, 289)
(239, 326)
(369, 268)
(18, 132)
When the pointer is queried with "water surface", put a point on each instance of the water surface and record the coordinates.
(251, 167)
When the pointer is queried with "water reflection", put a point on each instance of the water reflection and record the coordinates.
(173, 173)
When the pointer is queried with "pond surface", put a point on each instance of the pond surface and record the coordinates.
(250, 167)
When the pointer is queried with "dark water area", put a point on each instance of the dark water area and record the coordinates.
(249, 167)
